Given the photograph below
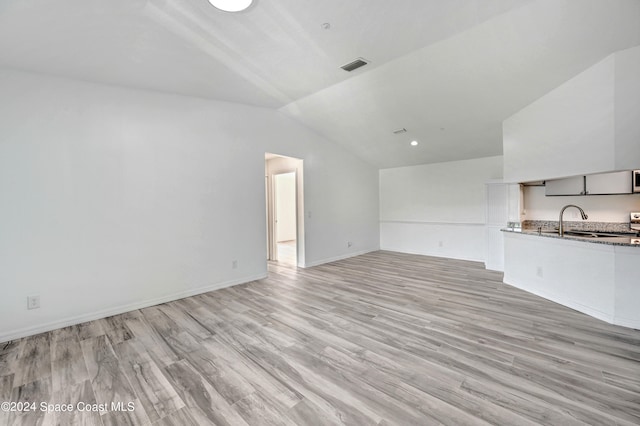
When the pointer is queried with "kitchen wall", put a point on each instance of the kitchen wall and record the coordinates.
(600, 208)
(437, 209)
(587, 125)
(567, 132)
(113, 199)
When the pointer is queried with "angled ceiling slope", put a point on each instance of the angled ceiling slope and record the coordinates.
(448, 71)
(453, 95)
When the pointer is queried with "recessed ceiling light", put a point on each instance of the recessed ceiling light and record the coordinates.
(414, 143)
(231, 5)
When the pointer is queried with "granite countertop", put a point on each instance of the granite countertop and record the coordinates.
(549, 229)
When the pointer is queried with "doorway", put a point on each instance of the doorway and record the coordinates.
(284, 191)
(284, 211)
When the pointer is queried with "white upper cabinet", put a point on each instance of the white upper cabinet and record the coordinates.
(598, 184)
(588, 125)
(567, 186)
(609, 183)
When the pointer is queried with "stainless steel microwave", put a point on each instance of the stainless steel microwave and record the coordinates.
(636, 181)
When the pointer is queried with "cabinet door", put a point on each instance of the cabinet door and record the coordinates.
(497, 204)
(609, 183)
(567, 186)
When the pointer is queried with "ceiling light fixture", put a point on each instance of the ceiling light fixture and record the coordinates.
(231, 5)
(414, 143)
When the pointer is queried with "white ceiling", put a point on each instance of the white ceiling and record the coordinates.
(449, 71)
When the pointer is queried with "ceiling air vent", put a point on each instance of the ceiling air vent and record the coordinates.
(400, 131)
(351, 66)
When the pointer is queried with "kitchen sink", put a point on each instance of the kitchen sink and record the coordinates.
(591, 234)
(632, 238)
(597, 234)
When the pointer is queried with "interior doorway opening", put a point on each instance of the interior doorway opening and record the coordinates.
(284, 209)
(284, 190)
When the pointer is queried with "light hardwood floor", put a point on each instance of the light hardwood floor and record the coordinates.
(383, 338)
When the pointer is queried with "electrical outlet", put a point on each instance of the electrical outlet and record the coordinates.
(349, 243)
(33, 302)
(539, 271)
(234, 264)
(440, 244)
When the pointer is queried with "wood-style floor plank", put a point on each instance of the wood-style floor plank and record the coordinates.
(32, 393)
(149, 384)
(110, 384)
(384, 338)
(68, 366)
(34, 360)
(73, 393)
(204, 402)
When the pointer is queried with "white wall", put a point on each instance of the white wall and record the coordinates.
(567, 132)
(114, 199)
(627, 106)
(437, 209)
(600, 208)
(587, 125)
(597, 279)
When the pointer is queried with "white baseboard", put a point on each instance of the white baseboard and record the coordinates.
(576, 306)
(491, 268)
(462, 241)
(336, 258)
(433, 254)
(635, 324)
(53, 325)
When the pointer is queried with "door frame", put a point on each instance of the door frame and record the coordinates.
(296, 166)
(273, 213)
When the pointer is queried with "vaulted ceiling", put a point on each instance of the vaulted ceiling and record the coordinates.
(449, 71)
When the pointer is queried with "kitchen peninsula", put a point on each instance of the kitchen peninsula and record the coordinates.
(595, 276)
(585, 127)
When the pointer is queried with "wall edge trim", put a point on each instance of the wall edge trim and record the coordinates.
(434, 223)
(116, 310)
(341, 257)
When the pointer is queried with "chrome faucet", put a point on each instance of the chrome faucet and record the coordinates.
(561, 225)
